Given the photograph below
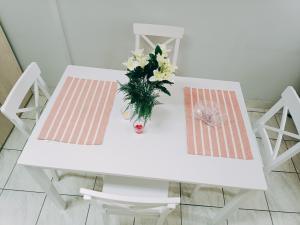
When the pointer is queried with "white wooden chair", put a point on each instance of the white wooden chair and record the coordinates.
(173, 34)
(10, 108)
(289, 103)
(129, 196)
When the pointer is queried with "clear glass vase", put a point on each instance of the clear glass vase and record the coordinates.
(126, 111)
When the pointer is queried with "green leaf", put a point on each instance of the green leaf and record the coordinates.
(164, 90)
(158, 50)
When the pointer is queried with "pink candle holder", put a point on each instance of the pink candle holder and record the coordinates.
(139, 128)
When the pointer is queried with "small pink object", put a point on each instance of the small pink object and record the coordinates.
(139, 128)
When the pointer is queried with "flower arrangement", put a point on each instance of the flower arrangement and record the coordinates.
(148, 75)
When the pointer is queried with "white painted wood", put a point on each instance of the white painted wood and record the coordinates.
(45, 183)
(289, 102)
(158, 30)
(174, 34)
(10, 108)
(124, 153)
(121, 196)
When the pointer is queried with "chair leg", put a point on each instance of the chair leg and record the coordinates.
(55, 175)
(195, 191)
(45, 183)
(162, 218)
(231, 207)
(197, 188)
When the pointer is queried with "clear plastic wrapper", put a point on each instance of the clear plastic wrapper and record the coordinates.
(209, 113)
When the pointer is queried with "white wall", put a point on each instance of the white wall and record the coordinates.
(256, 42)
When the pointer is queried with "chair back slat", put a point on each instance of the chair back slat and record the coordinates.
(292, 101)
(171, 33)
(130, 204)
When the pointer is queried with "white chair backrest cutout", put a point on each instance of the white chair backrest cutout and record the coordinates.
(30, 78)
(112, 204)
(289, 103)
(173, 34)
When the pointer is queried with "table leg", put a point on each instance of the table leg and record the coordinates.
(55, 175)
(197, 189)
(45, 183)
(231, 207)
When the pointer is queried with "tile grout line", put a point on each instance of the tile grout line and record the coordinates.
(268, 208)
(15, 164)
(88, 211)
(245, 209)
(11, 149)
(180, 204)
(223, 193)
(37, 220)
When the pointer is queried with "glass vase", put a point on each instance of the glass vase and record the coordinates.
(126, 111)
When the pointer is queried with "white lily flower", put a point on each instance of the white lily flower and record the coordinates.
(142, 61)
(138, 53)
(131, 64)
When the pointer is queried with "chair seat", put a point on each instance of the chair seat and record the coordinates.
(135, 187)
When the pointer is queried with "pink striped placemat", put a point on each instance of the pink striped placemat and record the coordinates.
(80, 112)
(227, 140)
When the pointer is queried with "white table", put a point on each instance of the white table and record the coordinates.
(160, 153)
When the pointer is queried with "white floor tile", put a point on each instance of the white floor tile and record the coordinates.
(287, 166)
(20, 179)
(20, 208)
(254, 116)
(16, 139)
(207, 196)
(75, 214)
(257, 199)
(8, 159)
(173, 218)
(280, 218)
(250, 217)
(198, 215)
(284, 192)
(289, 126)
(31, 115)
(95, 217)
(296, 158)
(70, 183)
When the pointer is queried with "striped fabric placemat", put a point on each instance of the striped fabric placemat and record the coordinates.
(227, 140)
(80, 112)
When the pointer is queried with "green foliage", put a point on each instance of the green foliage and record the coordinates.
(140, 92)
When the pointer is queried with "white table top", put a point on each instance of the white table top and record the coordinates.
(159, 153)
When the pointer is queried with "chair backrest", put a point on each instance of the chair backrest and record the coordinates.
(173, 34)
(10, 108)
(130, 205)
(292, 102)
(289, 103)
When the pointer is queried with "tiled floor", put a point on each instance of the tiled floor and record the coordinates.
(23, 202)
